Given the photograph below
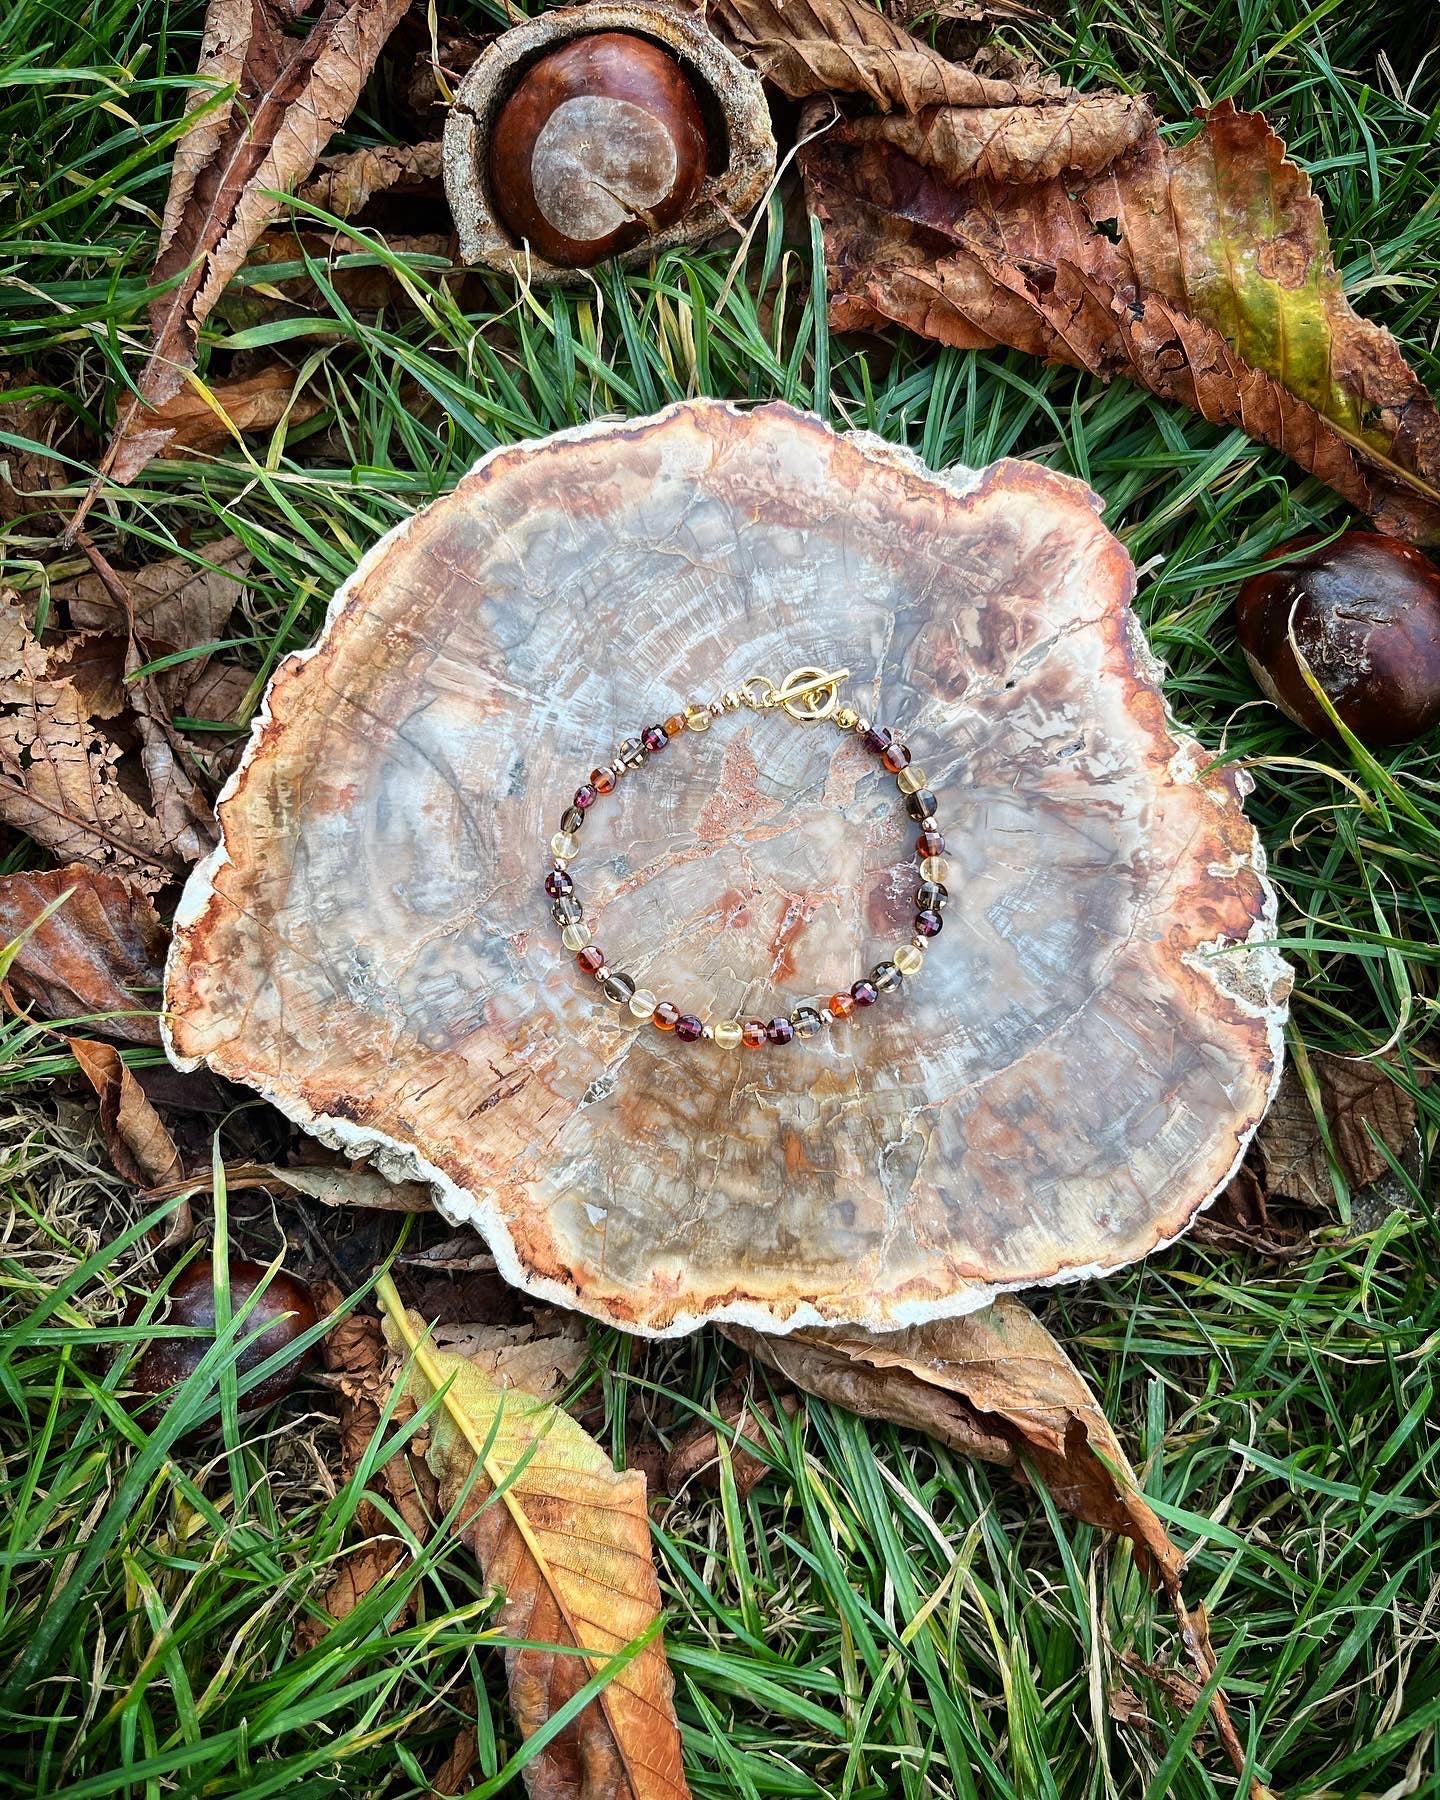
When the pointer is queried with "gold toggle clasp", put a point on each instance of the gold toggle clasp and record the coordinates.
(808, 695)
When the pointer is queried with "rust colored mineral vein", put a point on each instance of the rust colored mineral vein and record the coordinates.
(1095, 1036)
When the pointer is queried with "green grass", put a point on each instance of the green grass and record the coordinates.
(1283, 1417)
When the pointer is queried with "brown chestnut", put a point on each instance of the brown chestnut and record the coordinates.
(1365, 611)
(285, 1309)
(601, 144)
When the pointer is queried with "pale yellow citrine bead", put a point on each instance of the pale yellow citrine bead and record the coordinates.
(564, 843)
(575, 937)
(909, 959)
(642, 1003)
(699, 718)
(726, 1033)
(934, 868)
(911, 780)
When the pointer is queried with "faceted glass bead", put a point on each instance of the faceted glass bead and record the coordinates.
(921, 805)
(752, 1035)
(935, 868)
(886, 977)
(932, 896)
(841, 1005)
(564, 844)
(674, 725)
(911, 780)
(653, 738)
(895, 758)
(876, 740)
(642, 1003)
(689, 1029)
(665, 1016)
(909, 959)
(571, 819)
(864, 993)
(698, 718)
(603, 780)
(928, 924)
(575, 937)
(930, 843)
(585, 796)
(727, 1033)
(567, 910)
(558, 884)
(591, 959)
(807, 1022)
(779, 1031)
(619, 988)
(631, 752)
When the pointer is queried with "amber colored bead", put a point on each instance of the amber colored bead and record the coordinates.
(752, 1034)
(653, 738)
(558, 884)
(841, 1005)
(665, 1016)
(930, 843)
(864, 993)
(928, 923)
(591, 959)
(585, 796)
(603, 780)
(779, 1031)
(877, 740)
(895, 758)
(689, 1029)
(674, 725)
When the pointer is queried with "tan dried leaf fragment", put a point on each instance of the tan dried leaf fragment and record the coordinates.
(59, 770)
(141, 1149)
(197, 421)
(345, 185)
(291, 95)
(566, 1539)
(101, 951)
(1364, 1109)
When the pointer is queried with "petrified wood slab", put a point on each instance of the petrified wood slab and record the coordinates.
(1093, 1040)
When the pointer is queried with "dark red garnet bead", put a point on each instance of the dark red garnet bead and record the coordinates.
(653, 738)
(591, 959)
(558, 884)
(876, 740)
(779, 1031)
(930, 843)
(585, 797)
(928, 923)
(689, 1029)
(864, 993)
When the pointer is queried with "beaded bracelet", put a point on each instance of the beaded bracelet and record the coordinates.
(809, 695)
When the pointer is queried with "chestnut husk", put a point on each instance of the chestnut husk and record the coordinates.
(287, 1303)
(732, 99)
(1365, 614)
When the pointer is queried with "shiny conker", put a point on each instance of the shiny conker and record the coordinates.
(1365, 611)
(191, 1301)
(602, 143)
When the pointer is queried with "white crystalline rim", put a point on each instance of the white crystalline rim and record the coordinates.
(1261, 962)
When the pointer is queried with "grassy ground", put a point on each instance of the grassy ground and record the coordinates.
(1283, 1415)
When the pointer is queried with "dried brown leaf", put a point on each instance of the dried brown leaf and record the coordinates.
(141, 1149)
(1200, 271)
(291, 95)
(996, 1385)
(542, 1359)
(28, 474)
(696, 1456)
(566, 1540)
(60, 774)
(178, 601)
(344, 185)
(101, 951)
(197, 421)
(361, 1186)
(1356, 1098)
(1240, 1219)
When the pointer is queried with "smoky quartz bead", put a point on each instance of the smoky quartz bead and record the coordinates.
(932, 896)
(619, 988)
(571, 819)
(807, 1022)
(567, 910)
(886, 977)
(921, 805)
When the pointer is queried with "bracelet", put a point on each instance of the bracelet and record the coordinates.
(809, 696)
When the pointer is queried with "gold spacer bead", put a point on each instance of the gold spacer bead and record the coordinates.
(908, 959)
(934, 868)
(698, 718)
(564, 843)
(910, 780)
(575, 937)
(726, 1033)
(847, 718)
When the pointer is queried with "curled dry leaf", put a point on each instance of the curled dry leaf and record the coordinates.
(176, 601)
(60, 775)
(141, 1149)
(101, 951)
(196, 421)
(696, 1456)
(291, 94)
(566, 1539)
(345, 185)
(995, 1385)
(1365, 1112)
(1201, 271)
